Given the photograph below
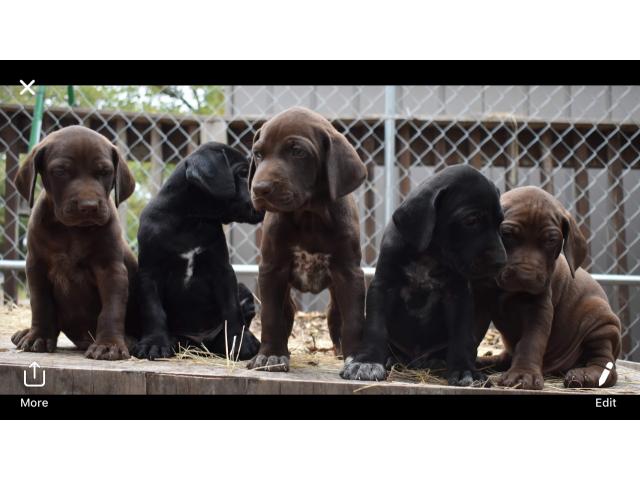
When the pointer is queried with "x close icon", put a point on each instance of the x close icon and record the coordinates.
(27, 87)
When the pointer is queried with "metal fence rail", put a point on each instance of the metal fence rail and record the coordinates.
(580, 143)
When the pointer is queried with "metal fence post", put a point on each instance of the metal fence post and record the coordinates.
(389, 151)
(38, 111)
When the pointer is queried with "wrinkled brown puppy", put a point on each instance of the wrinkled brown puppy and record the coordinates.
(552, 315)
(78, 264)
(302, 173)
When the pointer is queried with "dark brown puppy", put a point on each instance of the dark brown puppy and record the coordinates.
(302, 172)
(553, 316)
(78, 264)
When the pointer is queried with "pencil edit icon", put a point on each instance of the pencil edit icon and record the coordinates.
(605, 373)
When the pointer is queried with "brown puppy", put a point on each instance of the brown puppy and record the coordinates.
(78, 264)
(552, 315)
(302, 172)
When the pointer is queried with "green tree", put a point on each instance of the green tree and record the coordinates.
(183, 99)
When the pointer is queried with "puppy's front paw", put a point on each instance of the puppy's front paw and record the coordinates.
(107, 351)
(589, 377)
(153, 347)
(353, 370)
(525, 379)
(465, 378)
(269, 363)
(31, 340)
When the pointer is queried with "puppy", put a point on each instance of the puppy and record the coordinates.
(188, 288)
(79, 268)
(303, 172)
(419, 309)
(552, 315)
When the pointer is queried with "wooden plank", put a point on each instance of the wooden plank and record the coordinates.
(68, 372)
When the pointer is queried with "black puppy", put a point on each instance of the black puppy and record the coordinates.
(187, 286)
(419, 306)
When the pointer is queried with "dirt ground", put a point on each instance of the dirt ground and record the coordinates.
(309, 340)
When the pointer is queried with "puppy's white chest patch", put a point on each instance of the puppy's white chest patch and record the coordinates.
(190, 257)
(423, 274)
(310, 271)
(423, 282)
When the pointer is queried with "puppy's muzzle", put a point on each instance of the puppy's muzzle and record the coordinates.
(522, 278)
(87, 207)
(83, 212)
(267, 195)
(489, 264)
(262, 189)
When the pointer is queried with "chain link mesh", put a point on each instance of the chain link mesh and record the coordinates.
(580, 143)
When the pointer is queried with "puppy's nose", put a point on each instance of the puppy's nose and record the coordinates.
(499, 258)
(263, 188)
(87, 207)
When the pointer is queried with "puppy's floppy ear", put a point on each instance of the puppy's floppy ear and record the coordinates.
(208, 169)
(415, 218)
(574, 246)
(344, 168)
(123, 182)
(27, 175)
(252, 160)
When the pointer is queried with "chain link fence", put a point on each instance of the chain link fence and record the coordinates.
(580, 143)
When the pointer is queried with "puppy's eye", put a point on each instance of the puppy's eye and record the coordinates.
(257, 156)
(243, 172)
(471, 220)
(59, 172)
(551, 241)
(104, 172)
(506, 232)
(297, 152)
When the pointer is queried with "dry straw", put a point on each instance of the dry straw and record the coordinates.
(311, 357)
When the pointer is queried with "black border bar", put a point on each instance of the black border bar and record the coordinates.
(326, 407)
(318, 72)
